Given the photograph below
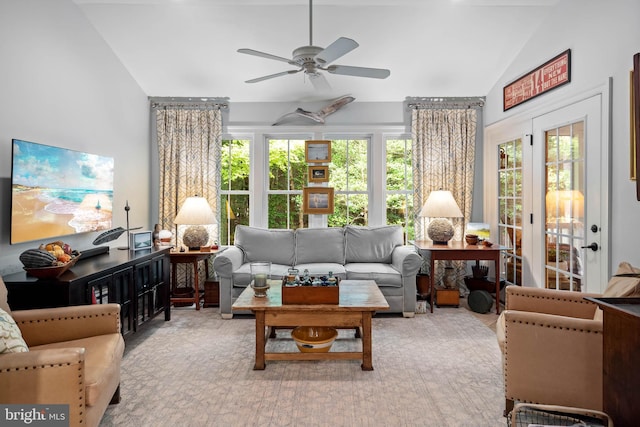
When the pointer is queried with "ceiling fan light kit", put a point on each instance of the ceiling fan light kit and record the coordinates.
(313, 59)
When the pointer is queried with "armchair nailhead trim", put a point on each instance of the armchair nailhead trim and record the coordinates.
(588, 331)
(552, 298)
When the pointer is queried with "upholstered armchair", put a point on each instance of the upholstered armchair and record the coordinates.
(551, 342)
(72, 356)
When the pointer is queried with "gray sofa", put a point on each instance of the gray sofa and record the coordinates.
(375, 253)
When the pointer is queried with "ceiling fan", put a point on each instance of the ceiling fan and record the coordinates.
(313, 59)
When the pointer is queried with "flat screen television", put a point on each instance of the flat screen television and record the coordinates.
(56, 192)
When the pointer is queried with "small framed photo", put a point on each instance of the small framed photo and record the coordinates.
(318, 173)
(317, 151)
(140, 240)
(317, 200)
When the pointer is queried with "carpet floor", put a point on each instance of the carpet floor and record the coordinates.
(439, 369)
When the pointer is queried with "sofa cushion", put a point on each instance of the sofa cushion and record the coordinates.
(320, 245)
(260, 244)
(383, 274)
(11, 340)
(103, 354)
(621, 286)
(371, 244)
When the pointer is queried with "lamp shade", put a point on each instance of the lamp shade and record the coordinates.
(441, 204)
(195, 211)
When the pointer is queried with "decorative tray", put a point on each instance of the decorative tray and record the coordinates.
(310, 294)
(53, 271)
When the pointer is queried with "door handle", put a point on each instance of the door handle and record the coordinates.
(593, 246)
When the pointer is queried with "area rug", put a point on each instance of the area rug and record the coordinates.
(437, 369)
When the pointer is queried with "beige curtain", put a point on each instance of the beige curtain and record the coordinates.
(189, 143)
(443, 158)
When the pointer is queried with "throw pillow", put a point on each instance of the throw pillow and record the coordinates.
(625, 283)
(10, 336)
(3, 297)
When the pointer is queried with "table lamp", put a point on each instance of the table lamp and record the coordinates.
(195, 212)
(440, 206)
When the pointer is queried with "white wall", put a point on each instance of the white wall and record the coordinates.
(60, 84)
(603, 37)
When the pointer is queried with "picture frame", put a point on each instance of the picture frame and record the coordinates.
(317, 151)
(318, 173)
(317, 200)
(550, 75)
(140, 240)
(632, 131)
(635, 88)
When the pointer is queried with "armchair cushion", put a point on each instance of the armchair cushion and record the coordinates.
(10, 336)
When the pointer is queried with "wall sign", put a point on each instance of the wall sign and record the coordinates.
(550, 75)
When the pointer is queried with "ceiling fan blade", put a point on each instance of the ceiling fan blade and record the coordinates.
(374, 73)
(319, 82)
(335, 50)
(271, 76)
(265, 55)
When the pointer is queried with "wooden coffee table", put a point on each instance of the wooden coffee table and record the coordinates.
(359, 299)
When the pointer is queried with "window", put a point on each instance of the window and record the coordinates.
(348, 175)
(235, 166)
(399, 185)
(510, 207)
(287, 177)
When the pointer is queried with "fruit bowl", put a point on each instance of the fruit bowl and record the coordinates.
(53, 271)
(314, 339)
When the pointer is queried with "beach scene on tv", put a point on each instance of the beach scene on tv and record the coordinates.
(57, 192)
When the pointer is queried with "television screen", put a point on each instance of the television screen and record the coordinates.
(56, 192)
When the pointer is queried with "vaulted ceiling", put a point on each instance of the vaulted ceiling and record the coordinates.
(188, 48)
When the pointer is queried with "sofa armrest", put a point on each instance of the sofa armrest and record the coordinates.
(550, 358)
(50, 325)
(43, 376)
(228, 261)
(406, 260)
(550, 301)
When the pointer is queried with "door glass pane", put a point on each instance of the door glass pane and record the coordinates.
(510, 208)
(564, 206)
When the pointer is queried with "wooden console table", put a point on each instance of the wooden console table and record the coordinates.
(460, 251)
(192, 258)
(620, 346)
(138, 281)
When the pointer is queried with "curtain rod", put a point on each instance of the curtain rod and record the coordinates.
(171, 102)
(434, 103)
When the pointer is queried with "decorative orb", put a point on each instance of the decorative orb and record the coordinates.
(195, 236)
(440, 230)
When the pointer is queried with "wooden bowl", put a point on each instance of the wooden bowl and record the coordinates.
(314, 339)
(53, 271)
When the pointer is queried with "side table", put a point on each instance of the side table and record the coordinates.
(460, 251)
(193, 258)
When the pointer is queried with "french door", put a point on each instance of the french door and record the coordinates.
(570, 179)
(549, 201)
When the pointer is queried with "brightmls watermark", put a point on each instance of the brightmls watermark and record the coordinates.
(34, 415)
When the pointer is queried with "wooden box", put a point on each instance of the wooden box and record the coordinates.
(308, 295)
(211, 293)
(447, 297)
